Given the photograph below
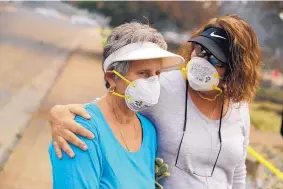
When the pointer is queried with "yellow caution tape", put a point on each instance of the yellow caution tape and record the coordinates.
(259, 158)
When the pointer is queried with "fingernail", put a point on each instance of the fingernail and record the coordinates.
(88, 116)
(92, 136)
(72, 154)
(84, 147)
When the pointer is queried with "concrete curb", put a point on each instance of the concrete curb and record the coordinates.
(17, 113)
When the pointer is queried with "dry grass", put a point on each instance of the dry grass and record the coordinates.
(266, 116)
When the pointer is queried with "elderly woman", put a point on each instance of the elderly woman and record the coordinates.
(123, 152)
(203, 120)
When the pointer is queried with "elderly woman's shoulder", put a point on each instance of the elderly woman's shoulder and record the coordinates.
(95, 120)
(146, 123)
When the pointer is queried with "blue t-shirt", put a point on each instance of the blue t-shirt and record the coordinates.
(106, 164)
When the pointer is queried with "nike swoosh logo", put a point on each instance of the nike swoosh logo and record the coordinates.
(214, 35)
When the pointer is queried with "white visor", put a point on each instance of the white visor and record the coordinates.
(143, 51)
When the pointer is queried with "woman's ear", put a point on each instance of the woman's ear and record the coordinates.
(110, 78)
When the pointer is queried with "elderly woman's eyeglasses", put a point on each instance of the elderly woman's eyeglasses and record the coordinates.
(202, 52)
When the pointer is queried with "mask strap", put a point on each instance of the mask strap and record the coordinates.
(184, 71)
(119, 95)
(212, 99)
(218, 89)
(125, 79)
(217, 76)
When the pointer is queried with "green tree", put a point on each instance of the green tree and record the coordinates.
(185, 15)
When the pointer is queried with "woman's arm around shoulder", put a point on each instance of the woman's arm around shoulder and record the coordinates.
(85, 170)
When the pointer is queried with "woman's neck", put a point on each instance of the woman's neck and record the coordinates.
(120, 110)
(211, 109)
(202, 97)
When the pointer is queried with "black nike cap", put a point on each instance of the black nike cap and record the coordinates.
(216, 41)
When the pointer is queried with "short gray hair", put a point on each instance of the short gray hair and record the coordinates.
(125, 34)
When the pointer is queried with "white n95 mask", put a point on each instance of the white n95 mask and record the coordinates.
(141, 93)
(202, 75)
